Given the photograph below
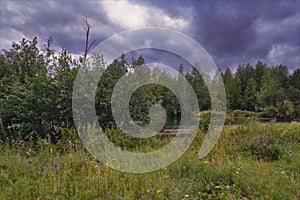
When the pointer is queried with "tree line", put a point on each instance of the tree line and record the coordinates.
(37, 85)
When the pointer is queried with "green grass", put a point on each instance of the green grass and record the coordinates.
(239, 167)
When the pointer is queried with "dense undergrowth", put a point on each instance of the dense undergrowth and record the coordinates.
(254, 161)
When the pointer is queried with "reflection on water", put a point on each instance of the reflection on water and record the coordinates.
(171, 124)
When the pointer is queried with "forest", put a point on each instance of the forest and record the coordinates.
(37, 84)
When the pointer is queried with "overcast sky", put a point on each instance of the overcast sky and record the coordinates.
(232, 32)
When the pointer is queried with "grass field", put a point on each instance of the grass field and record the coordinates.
(256, 161)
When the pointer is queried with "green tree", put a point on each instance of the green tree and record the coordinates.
(250, 95)
(232, 90)
(270, 92)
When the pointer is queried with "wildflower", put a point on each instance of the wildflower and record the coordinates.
(151, 190)
(42, 169)
(288, 149)
(247, 190)
(20, 143)
(238, 169)
(206, 162)
(186, 196)
(159, 191)
(29, 152)
(29, 162)
(237, 172)
(69, 145)
(260, 141)
(199, 193)
(55, 166)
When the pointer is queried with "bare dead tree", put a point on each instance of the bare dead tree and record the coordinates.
(87, 31)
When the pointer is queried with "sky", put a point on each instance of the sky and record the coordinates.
(232, 32)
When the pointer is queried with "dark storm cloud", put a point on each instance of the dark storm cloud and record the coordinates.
(232, 32)
(59, 19)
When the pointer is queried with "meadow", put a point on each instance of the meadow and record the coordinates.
(253, 161)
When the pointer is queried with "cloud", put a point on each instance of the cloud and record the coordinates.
(125, 14)
(283, 53)
(232, 32)
(131, 15)
(8, 35)
(59, 19)
(244, 31)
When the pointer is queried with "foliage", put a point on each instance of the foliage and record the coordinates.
(37, 85)
(230, 171)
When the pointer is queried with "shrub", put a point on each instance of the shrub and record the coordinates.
(240, 117)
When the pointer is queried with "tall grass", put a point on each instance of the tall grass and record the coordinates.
(257, 161)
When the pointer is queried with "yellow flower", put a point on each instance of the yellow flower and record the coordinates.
(199, 193)
(206, 162)
(159, 191)
(238, 169)
(237, 172)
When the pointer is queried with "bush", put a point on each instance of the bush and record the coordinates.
(240, 117)
(204, 121)
(262, 144)
(269, 112)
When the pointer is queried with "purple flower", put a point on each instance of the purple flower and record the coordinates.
(47, 165)
(55, 166)
(42, 169)
(30, 152)
(288, 149)
(29, 162)
(151, 190)
(247, 190)
(20, 143)
(260, 141)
